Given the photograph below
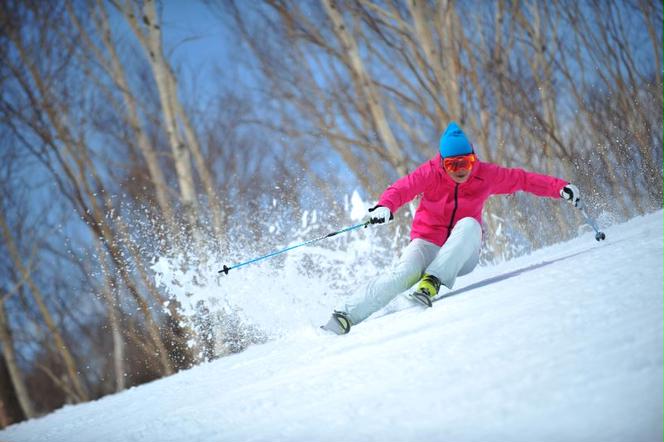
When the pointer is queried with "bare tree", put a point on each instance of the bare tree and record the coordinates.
(59, 343)
(514, 75)
(106, 54)
(184, 143)
(68, 156)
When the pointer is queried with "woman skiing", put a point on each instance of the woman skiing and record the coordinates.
(446, 233)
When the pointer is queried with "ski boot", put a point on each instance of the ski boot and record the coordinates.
(426, 290)
(339, 323)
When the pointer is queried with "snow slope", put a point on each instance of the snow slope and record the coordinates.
(562, 345)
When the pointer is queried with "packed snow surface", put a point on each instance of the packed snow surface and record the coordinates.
(564, 344)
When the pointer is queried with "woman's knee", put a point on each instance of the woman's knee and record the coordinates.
(468, 223)
(405, 275)
(469, 226)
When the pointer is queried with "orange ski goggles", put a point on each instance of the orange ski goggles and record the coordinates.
(460, 162)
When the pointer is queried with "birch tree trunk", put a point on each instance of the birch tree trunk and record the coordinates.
(218, 218)
(10, 359)
(149, 36)
(116, 71)
(365, 88)
(186, 144)
(114, 321)
(74, 159)
(451, 33)
(541, 68)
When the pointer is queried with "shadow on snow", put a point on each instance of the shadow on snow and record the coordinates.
(512, 274)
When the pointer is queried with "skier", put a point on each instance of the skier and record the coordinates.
(446, 233)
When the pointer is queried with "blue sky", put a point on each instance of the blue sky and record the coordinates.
(194, 38)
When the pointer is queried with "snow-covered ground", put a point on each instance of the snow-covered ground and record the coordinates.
(562, 345)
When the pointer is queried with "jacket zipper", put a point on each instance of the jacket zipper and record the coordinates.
(456, 204)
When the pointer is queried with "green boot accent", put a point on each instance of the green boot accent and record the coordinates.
(429, 284)
(426, 290)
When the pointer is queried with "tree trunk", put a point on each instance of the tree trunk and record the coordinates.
(150, 39)
(114, 321)
(12, 366)
(365, 88)
(60, 346)
(116, 71)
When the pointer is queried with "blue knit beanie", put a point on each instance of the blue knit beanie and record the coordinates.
(454, 142)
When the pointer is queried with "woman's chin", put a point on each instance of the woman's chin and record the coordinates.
(460, 177)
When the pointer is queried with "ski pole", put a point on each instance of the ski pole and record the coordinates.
(599, 235)
(226, 269)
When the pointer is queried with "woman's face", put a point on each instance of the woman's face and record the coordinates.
(458, 167)
(459, 176)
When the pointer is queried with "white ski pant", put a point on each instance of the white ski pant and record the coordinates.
(458, 256)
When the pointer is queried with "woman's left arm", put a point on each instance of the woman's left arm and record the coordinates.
(506, 180)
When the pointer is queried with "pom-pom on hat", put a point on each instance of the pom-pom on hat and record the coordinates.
(454, 142)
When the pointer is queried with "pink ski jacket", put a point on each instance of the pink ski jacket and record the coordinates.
(444, 202)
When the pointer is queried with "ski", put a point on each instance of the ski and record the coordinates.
(421, 299)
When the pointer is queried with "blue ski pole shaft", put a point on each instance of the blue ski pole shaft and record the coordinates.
(599, 235)
(226, 269)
